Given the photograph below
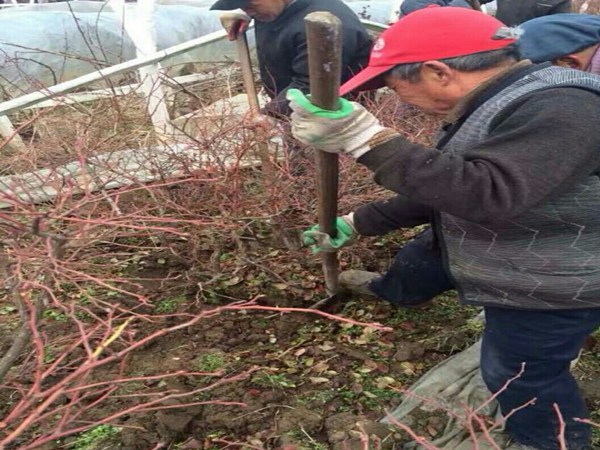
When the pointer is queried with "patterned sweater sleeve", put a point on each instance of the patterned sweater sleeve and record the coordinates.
(537, 147)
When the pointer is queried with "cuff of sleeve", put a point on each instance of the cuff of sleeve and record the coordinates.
(383, 152)
(357, 151)
(363, 221)
(349, 219)
(385, 135)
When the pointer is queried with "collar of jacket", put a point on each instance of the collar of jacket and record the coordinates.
(478, 96)
(463, 105)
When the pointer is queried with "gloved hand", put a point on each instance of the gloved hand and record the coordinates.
(348, 129)
(234, 23)
(322, 242)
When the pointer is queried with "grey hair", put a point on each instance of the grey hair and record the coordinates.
(468, 63)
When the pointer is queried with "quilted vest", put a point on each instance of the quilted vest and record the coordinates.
(547, 258)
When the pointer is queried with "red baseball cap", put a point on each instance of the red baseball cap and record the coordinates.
(429, 34)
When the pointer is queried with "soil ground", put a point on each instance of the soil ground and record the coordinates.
(313, 380)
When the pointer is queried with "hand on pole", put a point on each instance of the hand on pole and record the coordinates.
(235, 23)
(347, 130)
(321, 242)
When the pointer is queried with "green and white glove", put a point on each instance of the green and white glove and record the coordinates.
(348, 129)
(322, 242)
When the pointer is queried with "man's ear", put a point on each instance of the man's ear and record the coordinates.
(570, 61)
(437, 71)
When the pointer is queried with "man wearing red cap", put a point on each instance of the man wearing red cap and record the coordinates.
(512, 190)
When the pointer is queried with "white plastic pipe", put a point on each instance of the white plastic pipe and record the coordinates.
(142, 31)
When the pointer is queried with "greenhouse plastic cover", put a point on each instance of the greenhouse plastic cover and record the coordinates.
(44, 44)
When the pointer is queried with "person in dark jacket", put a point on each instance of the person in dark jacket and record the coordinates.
(512, 188)
(281, 43)
(515, 12)
(409, 6)
(510, 12)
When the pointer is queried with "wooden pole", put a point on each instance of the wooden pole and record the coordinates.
(324, 39)
(247, 75)
(262, 146)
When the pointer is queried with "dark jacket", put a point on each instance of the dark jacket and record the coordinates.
(283, 55)
(409, 6)
(515, 12)
(514, 197)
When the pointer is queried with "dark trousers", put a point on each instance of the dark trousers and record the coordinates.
(416, 275)
(546, 342)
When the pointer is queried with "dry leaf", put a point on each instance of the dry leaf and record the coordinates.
(318, 380)
(321, 367)
(383, 382)
(368, 331)
(300, 352)
(371, 365)
(409, 369)
(232, 281)
(326, 347)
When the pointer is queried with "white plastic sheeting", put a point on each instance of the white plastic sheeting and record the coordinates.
(453, 387)
(41, 47)
(44, 44)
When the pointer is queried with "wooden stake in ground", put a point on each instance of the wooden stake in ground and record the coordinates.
(324, 38)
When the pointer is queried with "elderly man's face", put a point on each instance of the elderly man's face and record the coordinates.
(265, 10)
(436, 92)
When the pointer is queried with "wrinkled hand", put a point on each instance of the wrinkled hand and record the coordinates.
(348, 129)
(235, 23)
(322, 242)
